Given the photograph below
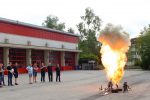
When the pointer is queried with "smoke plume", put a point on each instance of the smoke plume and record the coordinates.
(115, 44)
(115, 38)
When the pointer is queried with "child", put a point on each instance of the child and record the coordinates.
(30, 72)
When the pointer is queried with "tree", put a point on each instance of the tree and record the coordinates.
(88, 28)
(70, 30)
(52, 22)
(143, 46)
(90, 24)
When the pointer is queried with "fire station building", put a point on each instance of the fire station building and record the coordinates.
(27, 44)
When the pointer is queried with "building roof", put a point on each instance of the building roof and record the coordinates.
(36, 26)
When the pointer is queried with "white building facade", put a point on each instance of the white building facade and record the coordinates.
(27, 44)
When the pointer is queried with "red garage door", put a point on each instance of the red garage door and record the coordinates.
(18, 56)
(69, 58)
(37, 56)
(54, 57)
(1, 55)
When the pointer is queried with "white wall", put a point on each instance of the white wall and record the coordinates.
(18, 39)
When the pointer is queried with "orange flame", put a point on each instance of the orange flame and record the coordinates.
(114, 62)
(115, 44)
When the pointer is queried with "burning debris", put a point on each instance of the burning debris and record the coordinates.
(115, 44)
(126, 87)
(111, 89)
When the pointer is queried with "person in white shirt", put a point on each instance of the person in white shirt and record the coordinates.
(30, 72)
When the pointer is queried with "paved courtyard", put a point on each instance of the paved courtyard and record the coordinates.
(78, 85)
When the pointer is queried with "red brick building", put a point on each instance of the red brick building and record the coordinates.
(26, 43)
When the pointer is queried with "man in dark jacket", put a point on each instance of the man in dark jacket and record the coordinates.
(50, 72)
(10, 74)
(43, 70)
(58, 73)
(16, 73)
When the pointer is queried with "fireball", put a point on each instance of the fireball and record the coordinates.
(115, 44)
(114, 62)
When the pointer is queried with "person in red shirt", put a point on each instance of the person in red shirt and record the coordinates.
(35, 70)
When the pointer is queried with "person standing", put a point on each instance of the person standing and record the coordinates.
(3, 80)
(35, 69)
(58, 73)
(1, 74)
(50, 72)
(43, 70)
(10, 74)
(16, 73)
(30, 72)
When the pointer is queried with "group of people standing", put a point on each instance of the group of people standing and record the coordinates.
(32, 72)
(33, 69)
(12, 71)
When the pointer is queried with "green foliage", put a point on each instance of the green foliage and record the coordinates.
(70, 30)
(52, 22)
(88, 28)
(90, 24)
(143, 46)
(89, 56)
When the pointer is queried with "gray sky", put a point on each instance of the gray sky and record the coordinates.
(133, 15)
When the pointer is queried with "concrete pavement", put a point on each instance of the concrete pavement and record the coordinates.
(77, 85)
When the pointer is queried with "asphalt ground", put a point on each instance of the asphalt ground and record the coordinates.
(78, 85)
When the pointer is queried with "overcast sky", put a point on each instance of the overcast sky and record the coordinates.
(133, 15)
